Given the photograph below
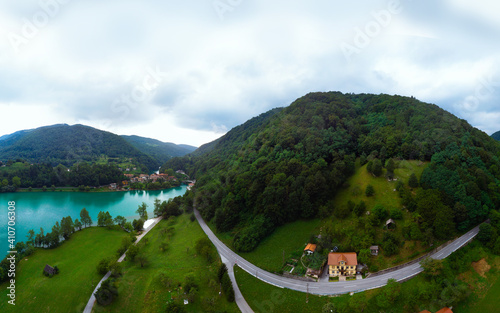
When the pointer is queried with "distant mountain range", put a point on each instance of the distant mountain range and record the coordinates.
(496, 136)
(65, 144)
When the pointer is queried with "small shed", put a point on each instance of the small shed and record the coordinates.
(390, 224)
(310, 248)
(49, 270)
(374, 250)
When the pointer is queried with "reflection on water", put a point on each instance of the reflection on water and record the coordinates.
(43, 209)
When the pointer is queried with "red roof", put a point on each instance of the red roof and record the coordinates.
(445, 310)
(349, 258)
(310, 247)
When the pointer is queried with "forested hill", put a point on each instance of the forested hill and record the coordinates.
(496, 136)
(64, 144)
(160, 151)
(288, 163)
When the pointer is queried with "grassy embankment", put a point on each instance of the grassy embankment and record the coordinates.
(70, 290)
(141, 289)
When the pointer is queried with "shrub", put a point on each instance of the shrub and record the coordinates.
(370, 191)
(103, 266)
(107, 292)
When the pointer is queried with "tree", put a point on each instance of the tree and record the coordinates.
(120, 220)
(370, 191)
(221, 272)
(157, 205)
(413, 181)
(132, 252)
(85, 218)
(142, 211)
(329, 308)
(432, 267)
(138, 224)
(390, 166)
(101, 218)
(67, 227)
(103, 266)
(142, 259)
(108, 220)
(364, 256)
(107, 292)
(377, 167)
(173, 307)
(485, 233)
(389, 294)
(78, 224)
(360, 208)
(380, 212)
(128, 227)
(16, 181)
(31, 236)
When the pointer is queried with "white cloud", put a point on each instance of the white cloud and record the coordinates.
(219, 73)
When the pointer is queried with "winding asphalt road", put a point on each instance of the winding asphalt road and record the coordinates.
(326, 288)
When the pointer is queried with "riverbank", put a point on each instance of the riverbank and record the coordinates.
(91, 190)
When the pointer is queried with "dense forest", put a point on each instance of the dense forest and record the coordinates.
(288, 163)
(67, 145)
(24, 175)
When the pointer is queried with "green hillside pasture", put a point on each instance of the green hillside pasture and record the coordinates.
(288, 238)
(384, 189)
(140, 290)
(70, 290)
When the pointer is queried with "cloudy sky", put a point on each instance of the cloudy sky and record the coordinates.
(188, 71)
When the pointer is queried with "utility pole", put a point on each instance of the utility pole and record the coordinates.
(307, 294)
(283, 257)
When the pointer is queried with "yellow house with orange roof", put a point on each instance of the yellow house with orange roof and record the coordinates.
(342, 264)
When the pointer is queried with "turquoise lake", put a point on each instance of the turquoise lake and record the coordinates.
(44, 209)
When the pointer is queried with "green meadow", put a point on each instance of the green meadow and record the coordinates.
(160, 281)
(70, 290)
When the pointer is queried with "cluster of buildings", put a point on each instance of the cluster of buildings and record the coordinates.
(143, 178)
(339, 264)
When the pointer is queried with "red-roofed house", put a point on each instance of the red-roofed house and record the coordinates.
(445, 310)
(342, 264)
(310, 248)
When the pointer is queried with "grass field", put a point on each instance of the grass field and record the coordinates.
(384, 189)
(70, 290)
(291, 237)
(265, 298)
(486, 289)
(139, 289)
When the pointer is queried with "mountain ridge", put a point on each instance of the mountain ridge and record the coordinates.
(67, 144)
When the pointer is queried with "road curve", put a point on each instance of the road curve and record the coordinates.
(328, 288)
